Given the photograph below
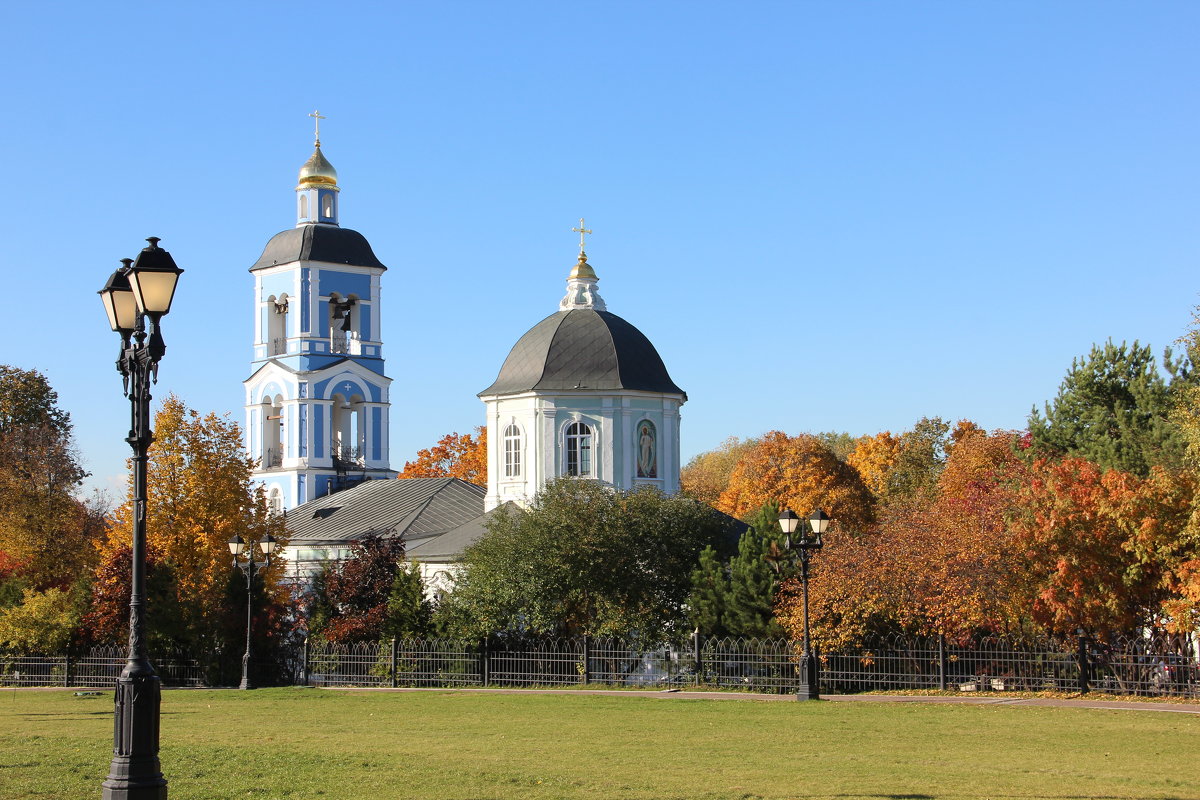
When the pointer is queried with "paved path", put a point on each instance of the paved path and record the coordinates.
(1050, 702)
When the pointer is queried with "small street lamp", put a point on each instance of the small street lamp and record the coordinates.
(818, 521)
(239, 548)
(136, 298)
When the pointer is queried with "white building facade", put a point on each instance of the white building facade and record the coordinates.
(582, 393)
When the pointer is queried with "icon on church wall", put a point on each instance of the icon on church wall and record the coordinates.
(647, 458)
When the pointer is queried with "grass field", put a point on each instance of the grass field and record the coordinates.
(308, 743)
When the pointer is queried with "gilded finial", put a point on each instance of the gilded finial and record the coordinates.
(582, 231)
(316, 115)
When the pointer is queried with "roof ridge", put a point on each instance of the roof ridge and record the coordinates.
(550, 345)
(612, 343)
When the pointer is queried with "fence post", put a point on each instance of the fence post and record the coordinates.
(587, 660)
(485, 667)
(67, 668)
(304, 664)
(942, 661)
(395, 650)
(697, 655)
(1085, 667)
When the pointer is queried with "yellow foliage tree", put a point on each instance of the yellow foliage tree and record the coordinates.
(874, 457)
(797, 472)
(199, 495)
(707, 474)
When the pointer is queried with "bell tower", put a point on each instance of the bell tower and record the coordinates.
(317, 396)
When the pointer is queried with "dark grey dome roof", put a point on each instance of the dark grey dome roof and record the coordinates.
(583, 349)
(318, 243)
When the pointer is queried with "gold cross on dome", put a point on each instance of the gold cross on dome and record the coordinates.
(582, 231)
(316, 115)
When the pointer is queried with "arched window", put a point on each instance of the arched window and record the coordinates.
(275, 502)
(344, 317)
(277, 324)
(579, 450)
(512, 452)
(303, 206)
(327, 206)
(347, 428)
(272, 429)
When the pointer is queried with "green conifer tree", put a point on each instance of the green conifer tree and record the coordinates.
(408, 611)
(710, 589)
(1113, 409)
(753, 581)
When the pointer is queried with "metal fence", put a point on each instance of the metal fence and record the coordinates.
(1161, 666)
(98, 667)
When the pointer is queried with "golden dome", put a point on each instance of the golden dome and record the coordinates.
(318, 171)
(582, 269)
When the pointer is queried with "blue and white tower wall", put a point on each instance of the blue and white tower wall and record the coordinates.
(317, 397)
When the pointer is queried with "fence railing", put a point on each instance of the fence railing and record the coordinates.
(98, 667)
(1164, 666)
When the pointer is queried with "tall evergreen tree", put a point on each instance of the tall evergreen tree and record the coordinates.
(753, 581)
(1113, 409)
(710, 588)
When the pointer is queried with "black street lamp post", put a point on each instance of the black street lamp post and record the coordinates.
(238, 547)
(136, 298)
(804, 546)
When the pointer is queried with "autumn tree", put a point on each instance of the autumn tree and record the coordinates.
(456, 455)
(919, 461)
(356, 591)
(1106, 548)
(938, 561)
(200, 494)
(797, 472)
(584, 559)
(43, 526)
(706, 475)
(1183, 608)
(874, 457)
(1114, 409)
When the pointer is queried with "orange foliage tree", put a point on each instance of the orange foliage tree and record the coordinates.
(797, 472)
(199, 495)
(456, 455)
(935, 565)
(1107, 550)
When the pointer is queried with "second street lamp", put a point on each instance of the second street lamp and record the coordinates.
(803, 547)
(238, 547)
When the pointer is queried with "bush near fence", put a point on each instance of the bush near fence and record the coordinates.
(1163, 666)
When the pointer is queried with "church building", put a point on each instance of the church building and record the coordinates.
(317, 396)
(583, 393)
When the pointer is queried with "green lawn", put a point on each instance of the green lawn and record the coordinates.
(302, 743)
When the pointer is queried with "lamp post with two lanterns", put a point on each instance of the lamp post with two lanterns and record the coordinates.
(238, 547)
(801, 549)
(136, 298)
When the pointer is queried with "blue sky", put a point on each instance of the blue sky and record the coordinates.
(827, 216)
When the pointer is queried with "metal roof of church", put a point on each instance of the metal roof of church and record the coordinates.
(415, 508)
(583, 349)
(318, 243)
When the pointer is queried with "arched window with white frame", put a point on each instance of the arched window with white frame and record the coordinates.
(577, 446)
(512, 451)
